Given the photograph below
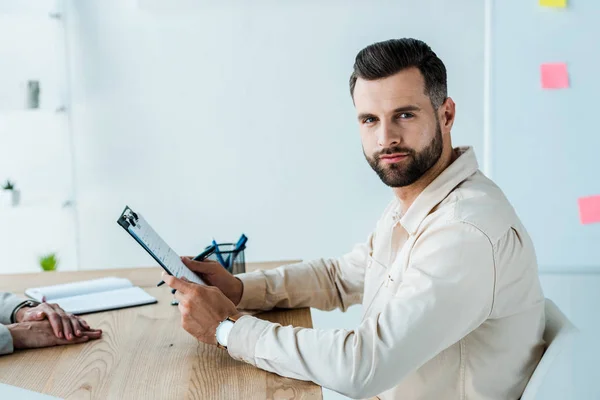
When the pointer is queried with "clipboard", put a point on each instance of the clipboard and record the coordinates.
(140, 230)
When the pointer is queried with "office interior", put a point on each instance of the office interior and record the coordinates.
(230, 117)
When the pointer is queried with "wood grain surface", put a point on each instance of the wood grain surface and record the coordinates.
(144, 352)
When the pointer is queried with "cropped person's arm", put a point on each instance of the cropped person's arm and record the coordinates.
(6, 341)
(446, 292)
(8, 303)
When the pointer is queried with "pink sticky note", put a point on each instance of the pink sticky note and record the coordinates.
(589, 209)
(555, 76)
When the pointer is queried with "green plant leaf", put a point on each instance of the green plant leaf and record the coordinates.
(9, 185)
(49, 262)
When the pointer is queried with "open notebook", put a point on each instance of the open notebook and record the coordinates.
(92, 296)
(13, 392)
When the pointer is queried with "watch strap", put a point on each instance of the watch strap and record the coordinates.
(26, 303)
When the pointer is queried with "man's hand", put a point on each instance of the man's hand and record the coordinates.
(202, 308)
(64, 325)
(31, 335)
(214, 274)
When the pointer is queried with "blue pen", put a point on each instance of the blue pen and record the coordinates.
(231, 257)
(219, 256)
(207, 252)
(241, 242)
(239, 246)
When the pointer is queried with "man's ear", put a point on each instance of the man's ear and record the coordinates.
(447, 114)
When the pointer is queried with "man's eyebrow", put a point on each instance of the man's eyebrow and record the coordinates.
(411, 107)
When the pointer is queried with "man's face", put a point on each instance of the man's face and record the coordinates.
(400, 130)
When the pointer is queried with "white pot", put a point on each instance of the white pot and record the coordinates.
(16, 198)
(10, 198)
(6, 198)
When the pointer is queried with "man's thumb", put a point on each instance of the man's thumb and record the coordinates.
(34, 316)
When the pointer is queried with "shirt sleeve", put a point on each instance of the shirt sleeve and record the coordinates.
(6, 341)
(8, 303)
(449, 283)
(325, 284)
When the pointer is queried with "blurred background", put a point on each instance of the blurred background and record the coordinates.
(217, 118)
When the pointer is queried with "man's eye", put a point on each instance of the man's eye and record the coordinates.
(368, 120)
(405, 115)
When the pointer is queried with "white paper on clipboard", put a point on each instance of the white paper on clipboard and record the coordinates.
(147, 237)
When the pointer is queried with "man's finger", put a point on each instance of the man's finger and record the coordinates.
(198, 266)
(34, 315)
(84, 323)
(77, 328)
(176, 283)
(82, 339)
(93, 334)
(56, 323)
(67, 329)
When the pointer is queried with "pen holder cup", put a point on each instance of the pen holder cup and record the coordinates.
(235, 261)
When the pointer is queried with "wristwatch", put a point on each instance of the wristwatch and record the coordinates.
(222, 333)
(27, 303)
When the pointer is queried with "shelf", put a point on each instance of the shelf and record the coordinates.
(53, 208)
(58, 112)
(34, 52)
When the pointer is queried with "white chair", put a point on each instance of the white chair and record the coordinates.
(557, 335)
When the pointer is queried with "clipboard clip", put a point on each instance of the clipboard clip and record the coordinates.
(130, 216)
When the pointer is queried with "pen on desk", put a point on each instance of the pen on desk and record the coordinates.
(200, 257)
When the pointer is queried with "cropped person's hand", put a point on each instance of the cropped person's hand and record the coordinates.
(64, 325)
(214, 274)
(36, 334)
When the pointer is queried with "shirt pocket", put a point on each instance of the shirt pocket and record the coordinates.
(395, 274)
(375, 276)
(393, 278)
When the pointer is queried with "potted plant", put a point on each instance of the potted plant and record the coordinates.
(12, 194)
(49, 262)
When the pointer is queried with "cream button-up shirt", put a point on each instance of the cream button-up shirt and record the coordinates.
(452, 303)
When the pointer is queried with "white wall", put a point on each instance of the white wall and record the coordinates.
(230, 118)
(34, 143)
(545, 153)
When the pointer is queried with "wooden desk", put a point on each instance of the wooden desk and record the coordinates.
(144, 353)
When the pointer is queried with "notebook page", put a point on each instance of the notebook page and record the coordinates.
(103, 301)
(157, 246)
(54, 292)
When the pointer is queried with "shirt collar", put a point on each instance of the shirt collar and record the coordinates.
(462, 168)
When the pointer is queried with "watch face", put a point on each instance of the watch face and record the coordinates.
(222, 333)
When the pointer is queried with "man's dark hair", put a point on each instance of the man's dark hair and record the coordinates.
(383, 59)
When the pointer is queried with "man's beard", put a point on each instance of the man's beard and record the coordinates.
(410, 169)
